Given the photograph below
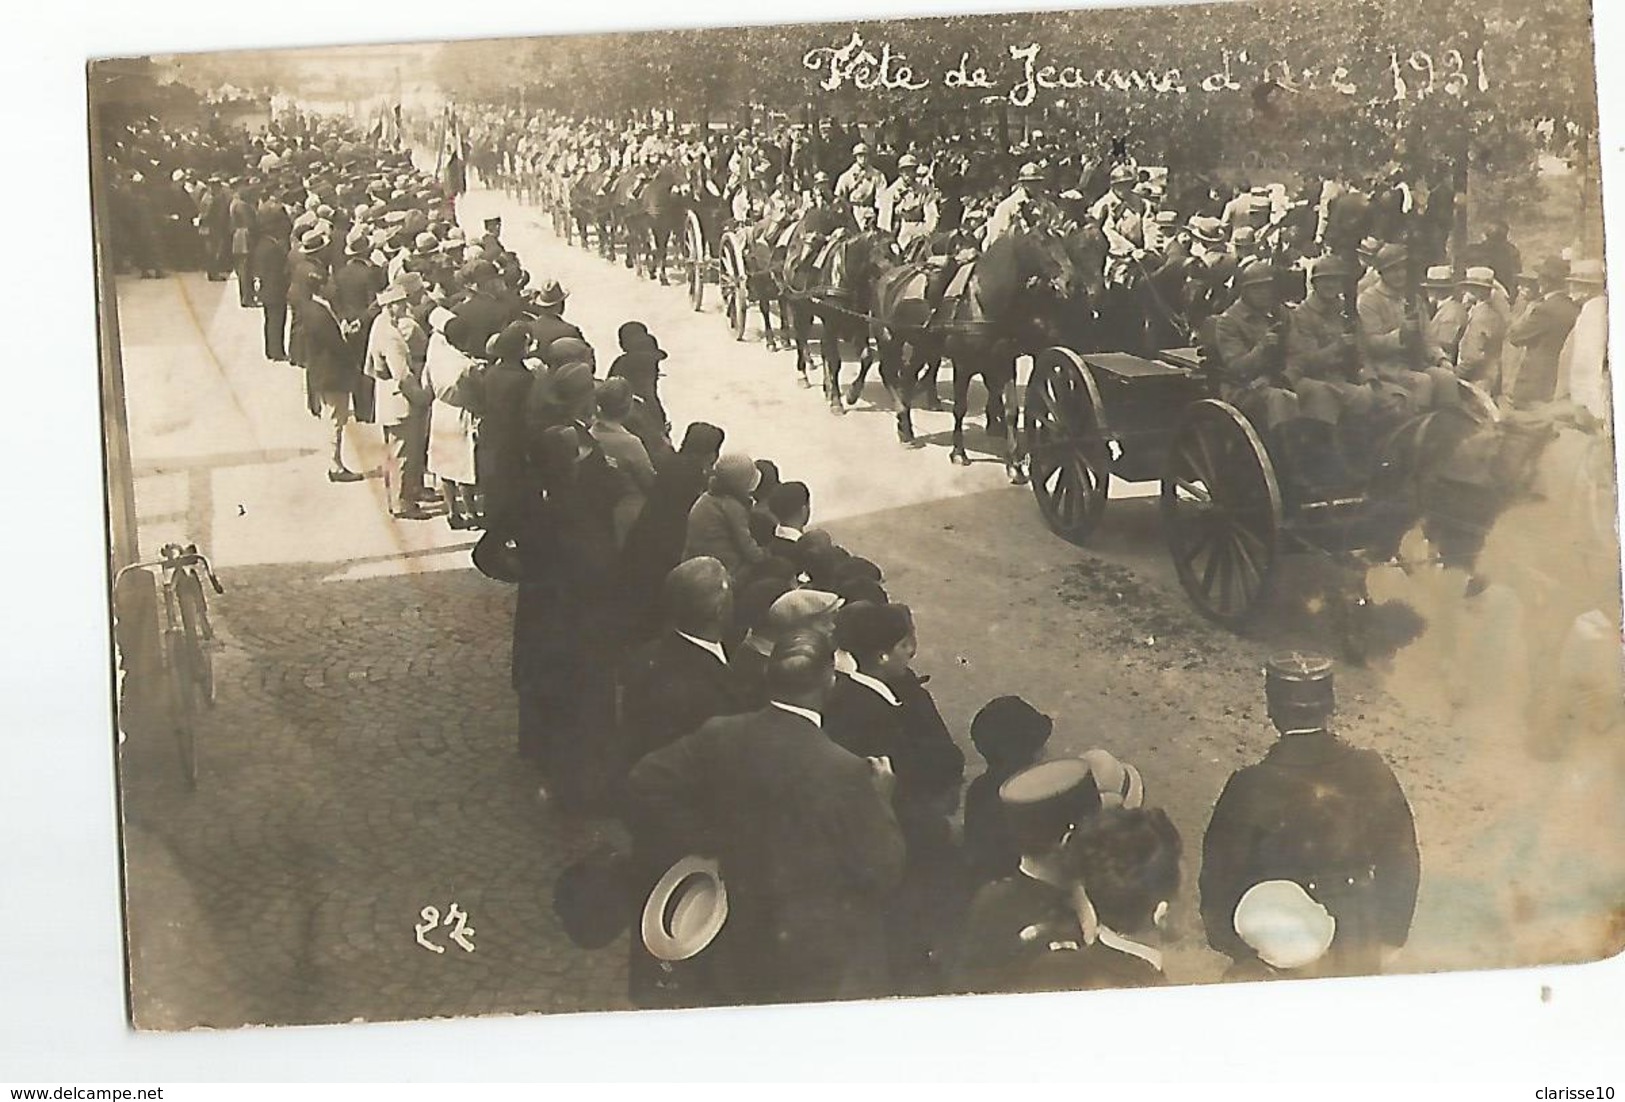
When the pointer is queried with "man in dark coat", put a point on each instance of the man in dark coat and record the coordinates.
(1326, 815)
(1540, 333)
(330, 371)
(683, 678)
(356, 285)
(489, 309)
(803, 832)
(549, 325)
(882, 709)
(269, 264)
(239, 243)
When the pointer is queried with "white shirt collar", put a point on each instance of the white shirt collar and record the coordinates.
(845, 663)
(875, 685)
(759, 643)
(707, 646)
(1114, 940)
(791, 534)
(805, 713)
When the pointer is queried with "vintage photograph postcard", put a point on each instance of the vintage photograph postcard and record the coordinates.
(994, 503)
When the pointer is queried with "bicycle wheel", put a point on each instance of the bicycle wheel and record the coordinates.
(183, 699)
(195, 623)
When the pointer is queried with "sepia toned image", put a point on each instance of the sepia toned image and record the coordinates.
(986, 504)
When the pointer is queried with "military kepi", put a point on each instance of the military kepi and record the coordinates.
(1042, 803)
(1298, 687)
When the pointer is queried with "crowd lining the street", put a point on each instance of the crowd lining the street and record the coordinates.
(694, 657)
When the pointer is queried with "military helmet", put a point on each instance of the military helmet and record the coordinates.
(1254, 272)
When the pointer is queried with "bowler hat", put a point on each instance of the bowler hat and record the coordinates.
(1030, 174)
(593, 899)
(1122, 174)
(1554, 269)
(1009, 729)
(498, 559)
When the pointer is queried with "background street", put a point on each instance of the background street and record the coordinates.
(360, 764)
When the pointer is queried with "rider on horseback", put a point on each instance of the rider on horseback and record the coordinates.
(1024, 208)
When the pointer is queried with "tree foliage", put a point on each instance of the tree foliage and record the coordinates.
(1345, 114)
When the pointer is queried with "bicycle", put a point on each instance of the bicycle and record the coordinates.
(188, 663)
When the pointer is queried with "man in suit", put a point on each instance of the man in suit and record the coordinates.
(490, 307)
(803, 832)
(1326, 815)
(790, 503)
(1540, 333)
(685, 677)
(270, 267)
(882, 709)
(548, 324)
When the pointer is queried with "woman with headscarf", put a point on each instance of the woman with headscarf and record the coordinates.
(451, 424)
(655, 543)
(719, 522)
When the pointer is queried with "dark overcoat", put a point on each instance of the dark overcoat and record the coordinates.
(808, 848)
(1330, 817)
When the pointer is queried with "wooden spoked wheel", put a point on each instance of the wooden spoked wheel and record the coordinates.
(1221, 512)
(735, 286)
(694, 237)
(1066, 444)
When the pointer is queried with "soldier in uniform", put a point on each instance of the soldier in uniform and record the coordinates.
(1248, 343)
(1322, 354)
(1015, 924)
(906, 209)
(862, 184)
(1321, 813)
(1025, 206)
(1411, 367)
(1122, 213)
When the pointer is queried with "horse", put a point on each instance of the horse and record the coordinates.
(656, 210)
(762, 259)
(826, 275)
(588, 208)
(1028, 290)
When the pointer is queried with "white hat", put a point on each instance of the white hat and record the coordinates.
(1283, 925)
(1587, 271)
(686, 910)
(1119, 783)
